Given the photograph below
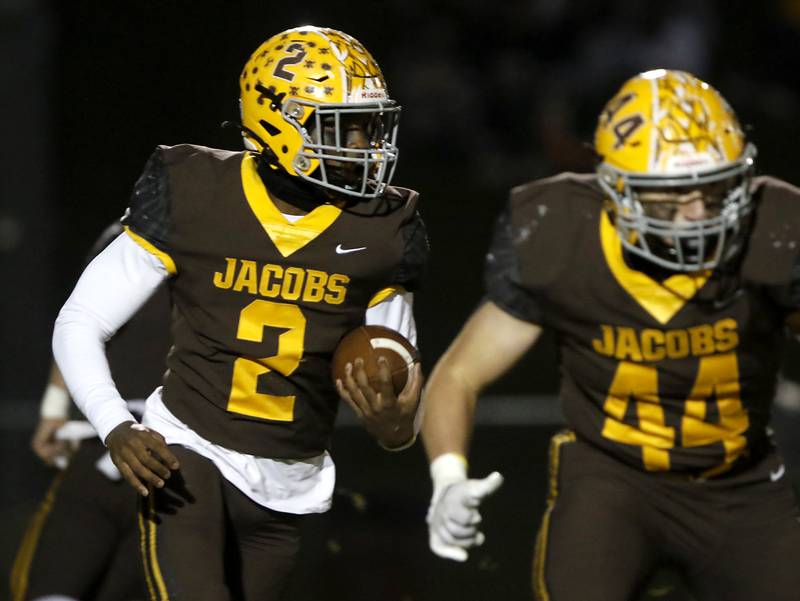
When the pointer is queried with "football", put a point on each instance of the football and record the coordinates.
(369, 343)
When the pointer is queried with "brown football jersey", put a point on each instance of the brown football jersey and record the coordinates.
(669, 372)
(259, 302)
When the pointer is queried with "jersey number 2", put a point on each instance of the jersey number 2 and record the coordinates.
(245, 398)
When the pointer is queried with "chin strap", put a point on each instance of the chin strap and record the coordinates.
(300, 193)
(293, 190)
(266, 153)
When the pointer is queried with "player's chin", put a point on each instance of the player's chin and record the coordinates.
(690, 249)
(346, 175)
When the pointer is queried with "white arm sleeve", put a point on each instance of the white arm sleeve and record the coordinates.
(395, 312)
(112, 288)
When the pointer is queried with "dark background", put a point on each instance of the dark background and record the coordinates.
(493, 94)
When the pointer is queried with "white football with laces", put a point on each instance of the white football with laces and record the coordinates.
(369, 343)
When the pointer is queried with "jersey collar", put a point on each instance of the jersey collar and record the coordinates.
(662, 300)
(287, 237)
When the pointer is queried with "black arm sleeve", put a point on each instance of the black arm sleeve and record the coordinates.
(411, 270)
(501, 274)
(148, 213)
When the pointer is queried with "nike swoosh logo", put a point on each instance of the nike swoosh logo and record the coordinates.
(778, 473)
(344, 251)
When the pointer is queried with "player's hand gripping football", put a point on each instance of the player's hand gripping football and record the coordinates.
(141, 456)
(389, 417)
(453, 516)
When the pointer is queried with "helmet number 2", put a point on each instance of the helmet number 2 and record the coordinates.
(299, 55)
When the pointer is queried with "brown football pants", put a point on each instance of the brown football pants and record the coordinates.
(608, 526)
(82, 542)
(204, 540)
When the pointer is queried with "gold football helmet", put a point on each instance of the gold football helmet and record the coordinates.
(315, 102)
(666, 135)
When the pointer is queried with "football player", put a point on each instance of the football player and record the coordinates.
(83, 541)
(669, 277)
(270, 255)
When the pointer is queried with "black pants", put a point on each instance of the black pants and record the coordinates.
(608, 526)
(202, 539)
(83, 541)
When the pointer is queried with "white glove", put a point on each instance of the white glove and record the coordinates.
(453, 516)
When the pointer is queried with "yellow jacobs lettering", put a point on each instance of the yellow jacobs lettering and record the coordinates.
(225, 280)
(677, 342)
(315, 286)
(247, 278)
(653, 348)
(292, 287)
(726, 335)
(702, 340)
(717, 381)
(648, 344)
(337, 289)
(270, 286)
(627, 345)
(604, 346)
(276, 282)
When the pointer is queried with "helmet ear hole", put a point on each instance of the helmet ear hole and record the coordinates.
(269, 128)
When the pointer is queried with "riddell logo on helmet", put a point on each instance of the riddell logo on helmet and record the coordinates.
(372, 95)
(689, 162)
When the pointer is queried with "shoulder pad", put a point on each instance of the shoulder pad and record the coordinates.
(406, 196)
(173, 155)
(545, 218)
(412, 268)
(774, 245)
(396, 200)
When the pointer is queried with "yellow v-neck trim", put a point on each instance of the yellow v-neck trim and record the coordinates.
(287, 237)
(663, 300)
